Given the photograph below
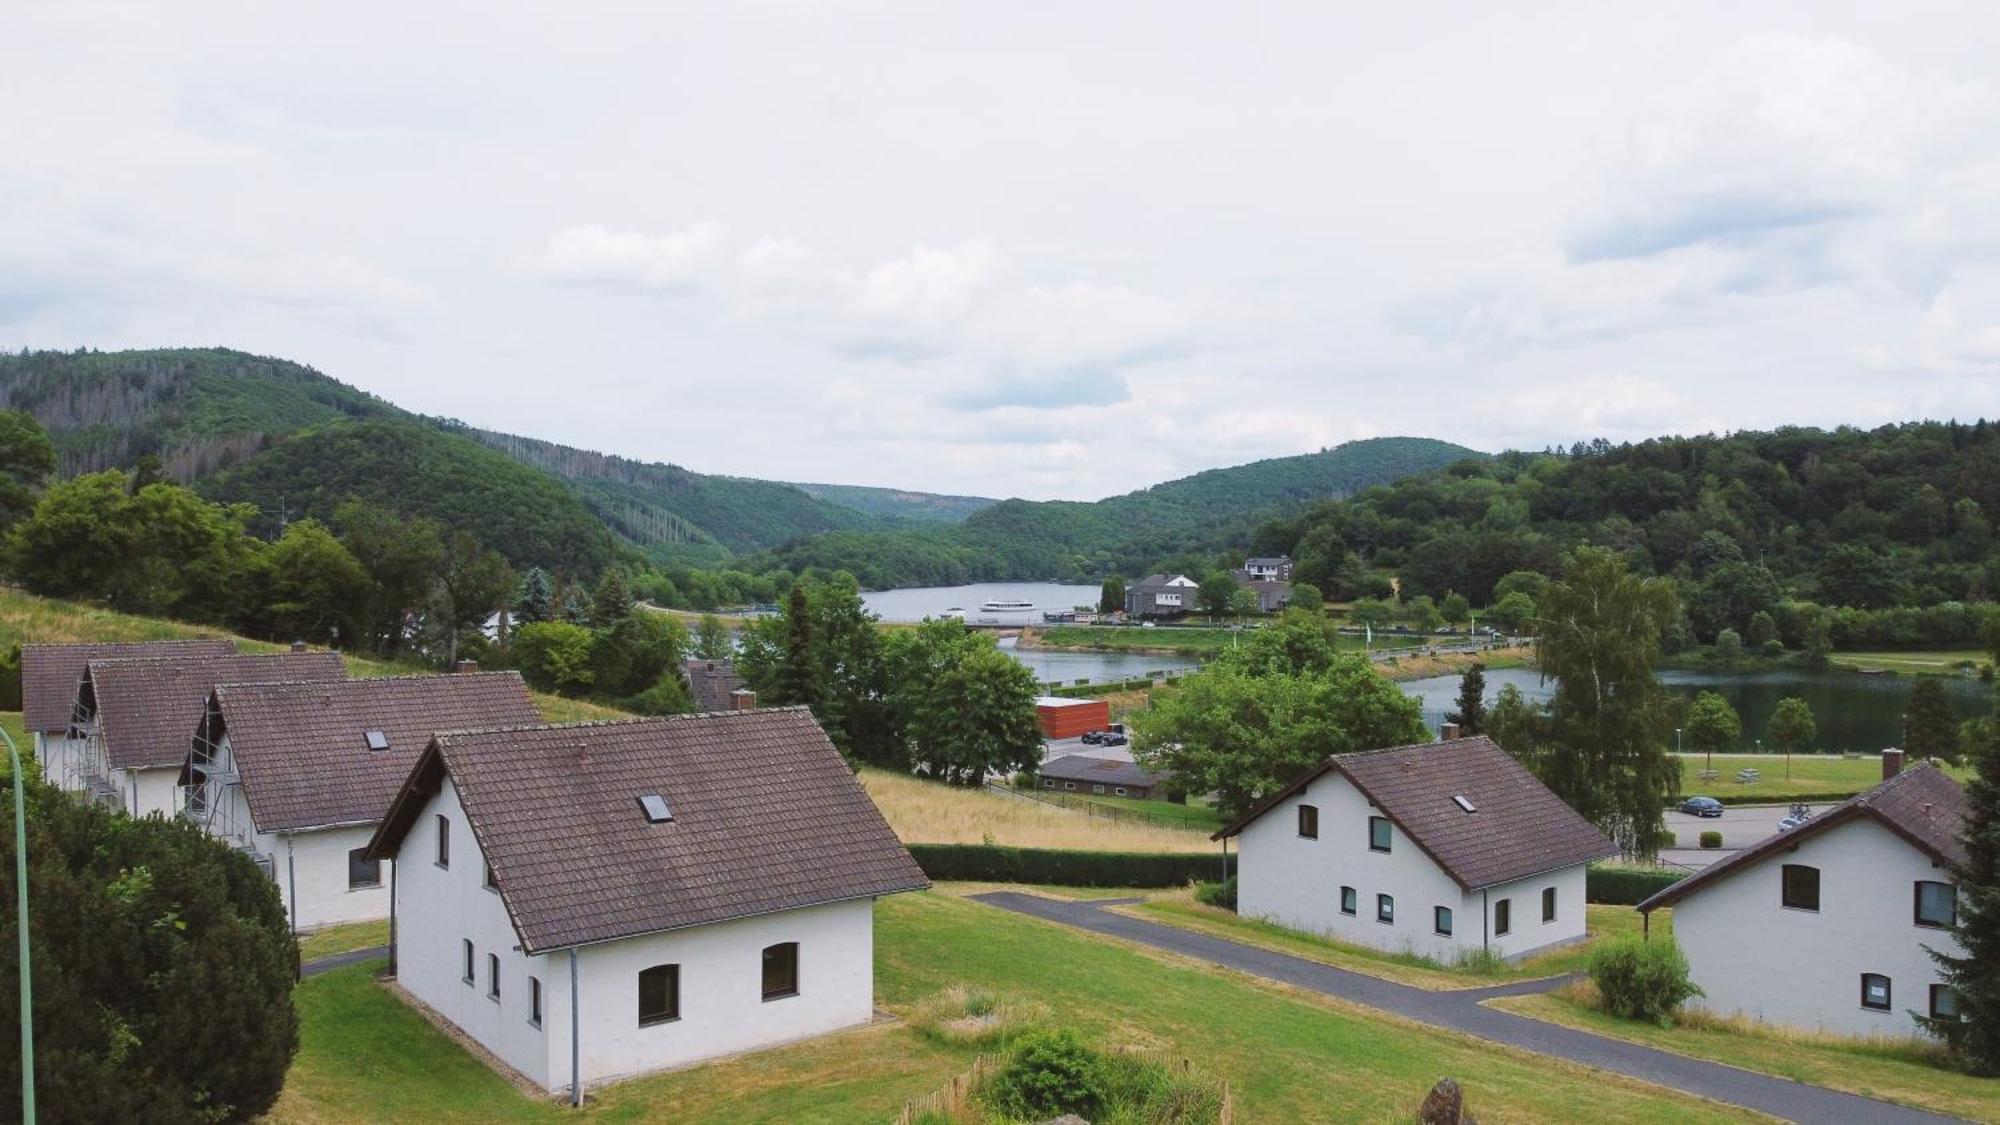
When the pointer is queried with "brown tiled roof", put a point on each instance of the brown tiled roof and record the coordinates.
(1518, 829)
(148, 709)
(49, 673)
(302, 749)
(710, 682)
(1921, 804)
(1098, 771)
(766, 817)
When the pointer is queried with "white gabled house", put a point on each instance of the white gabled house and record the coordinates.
(299, 774)
(599, 900)
(50, 674)
(1440, 849)
(134, 716)
(1826, 926)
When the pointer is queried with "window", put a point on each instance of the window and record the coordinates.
(1875, 992)
(1119, 791)
(1801, 887)
(1309, 821)
(493, 976)
(781, 970)
(1944, 1002)
(1347, 900)
(1048, 783)
(1378, 833)
(1548, 904)
(659, 994)
(365, 872)
(444, 842)
(535, 1001)
(655, 808)
(1385, 909)
(377, 740)
(468, 960)
(488, 881)
(1441, 920)
(1097, 789)
(1937, 904)
(1069, 785)
(1503, 917)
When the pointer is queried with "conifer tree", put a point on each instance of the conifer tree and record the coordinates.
(1974, 978)
(1471, 713)
(612, 602)
(537, 600)
(1929, 731)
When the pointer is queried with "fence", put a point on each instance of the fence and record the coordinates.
(950, 1098)
(1101, 811)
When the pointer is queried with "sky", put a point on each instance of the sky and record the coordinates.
(1043, 250)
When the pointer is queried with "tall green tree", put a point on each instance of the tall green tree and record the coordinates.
(1973, 974)
(472, 584)
(1792, 727)
(1712, 724)
(1470, 714)
(612, 602)
(966, 710)
(712, 640)
(1216, 593)
(27, 460)
(313, 588)
(1929, 731)
(1308, 597)
(401, 556)
(536, 600)
(1422, 614)
(1455, 609)
(556, 656)
(800, 679)
(1111, 599)
(636, 652)
(825, 651)
(1605, 752)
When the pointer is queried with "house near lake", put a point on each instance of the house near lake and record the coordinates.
(1826, 926)
(1442, 849)
(49, 677)
(598, 900)
(715, 685)
(1161, 595)
(134, 718)
(1276, 568)
(298, 775)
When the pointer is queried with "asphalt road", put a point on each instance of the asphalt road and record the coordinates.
(1740, 825)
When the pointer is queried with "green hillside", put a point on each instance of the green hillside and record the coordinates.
(917, 507)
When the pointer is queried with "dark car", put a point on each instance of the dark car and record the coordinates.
(1113, 738)
(1701, 806)
(1093, 737)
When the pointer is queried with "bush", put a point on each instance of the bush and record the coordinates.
(1711, 839)
(1625, 886)
(993, 863)
(1221, 894)
(1642, 979)
(1051, 1073)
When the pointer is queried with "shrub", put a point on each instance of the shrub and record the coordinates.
(991, 863)
(1711, 839)
(1625, 886)
(1050, 1074)
(1642, 979)
(1221, 894)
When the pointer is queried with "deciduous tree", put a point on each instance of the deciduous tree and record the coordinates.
(313, 588)
(1929, 730)
(1712, 724)
(964, 708)
(712, 639)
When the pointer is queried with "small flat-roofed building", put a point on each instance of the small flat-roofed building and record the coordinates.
(1068, 718)
(1099, 777)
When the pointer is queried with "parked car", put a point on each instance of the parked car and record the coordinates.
(1093, 737)
(1701, 806)
(1113, 738)
(1798, 815)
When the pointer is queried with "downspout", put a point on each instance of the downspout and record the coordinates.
(1485, 921)
(392, 917)
(575, 1037)
(292, 885)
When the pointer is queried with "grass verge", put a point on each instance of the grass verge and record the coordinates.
(343, 939)
(933, 813)
(1934, 662)
(1810, 774)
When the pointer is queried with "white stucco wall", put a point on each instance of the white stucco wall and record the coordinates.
(152, 791)
(1293, 881)
(1752, 955)
(721, 1004)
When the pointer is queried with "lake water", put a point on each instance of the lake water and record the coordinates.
(1853, 712)
(1051, 666)
(919, 602)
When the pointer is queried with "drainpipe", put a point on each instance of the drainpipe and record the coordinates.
(1485, 921)
(292, 885)
(392, 917)
(1646, 925)
(575, 1037)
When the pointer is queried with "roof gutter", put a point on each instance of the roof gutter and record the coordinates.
(574, 946)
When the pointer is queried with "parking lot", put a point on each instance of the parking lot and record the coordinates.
(1740, 825)
(1058, 747)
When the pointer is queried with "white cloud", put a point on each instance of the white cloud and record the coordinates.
(595, 255)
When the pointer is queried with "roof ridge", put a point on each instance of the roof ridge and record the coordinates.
(352, 680)
(626, 721)
(1409, 747)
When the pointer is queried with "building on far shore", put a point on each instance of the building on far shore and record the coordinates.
(1161, 596)
(715, 685)
(1099, 777)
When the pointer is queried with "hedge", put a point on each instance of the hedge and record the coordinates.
(1625, 886)
(992, 863)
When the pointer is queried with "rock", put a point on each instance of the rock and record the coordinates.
(1445, 1105)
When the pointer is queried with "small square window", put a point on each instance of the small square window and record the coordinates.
(1548, 904)
(655, 808)
(1385, 909)
(1309, 821)
(1348, 901)
(1097, 789)
(467, 943)
(362, 871)
(1048, 783)
(781, 970)
(1379, 836)
(1800, 890)
(1937, 904)
(1944, 1002)
(488, 880)
(377, 740)
(1441, 920)
(1069, 785)
(493, 976)
(659, 994)
(1503, 916)
(1875, 992)
(444, 841)
(535, 1001)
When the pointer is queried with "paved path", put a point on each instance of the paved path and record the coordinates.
(1461, 1011)
(341, 960)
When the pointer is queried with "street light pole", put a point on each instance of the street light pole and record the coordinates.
(21, 928)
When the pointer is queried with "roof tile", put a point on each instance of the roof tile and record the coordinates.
(49, 673)
(149, 709)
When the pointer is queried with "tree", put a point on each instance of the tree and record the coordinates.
(1241, 733)
(1728, 648)
(1307, 596)
(1929, 730)
(712, 640)
(401, 556)
(1371, 612)
(1112, 598)
(314, 590)
(1819, 644)
(163, 968)
(555, 656)
(635, 653)
(825, 651)
(612, 602)
(1455, 610)
(1712, 724)
(1527, 583)
(536, 600)
(799, 676)
(1792, 727)
(1974, 976)
(1422, 614)
(1762, 630)
(1605, 748)
(1471, 712)
(965, 709)
(27, 460)
(1516, 724)
(472, 583)
(1215, 594)
(1512, 611)
(1243, 603)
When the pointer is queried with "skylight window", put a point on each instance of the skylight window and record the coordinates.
(1464, 802)
(655, 807)
(377, 740)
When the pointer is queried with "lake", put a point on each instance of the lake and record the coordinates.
(1854, 712)
(1069, 665)
(919, 602)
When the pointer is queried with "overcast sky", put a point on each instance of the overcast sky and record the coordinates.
(1055, 250)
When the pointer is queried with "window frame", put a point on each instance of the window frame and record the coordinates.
(1888, 1003)
(1503, 917)
(534, 1001)
(1548, 905)
(493, 977)
(1917, 905)
(786, 989)
(1441, 920)
(1388, 846)
(471, 960)
(1385, 904)
(1308, 825)
(488, 880)
(1785, 897)
(1350, 902)
(671, 1009)
(443, 856)
(1942, 989)
(365, 884)
(1097, 790)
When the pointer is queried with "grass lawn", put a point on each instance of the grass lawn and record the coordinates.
(1890, 1071)
(1936, 661)
(1288, 1057)
(343, 939)
(1194, 815)
(1810, 773)
(1178, 908)
(934, 813)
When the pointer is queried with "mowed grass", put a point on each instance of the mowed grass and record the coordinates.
(343, 939)
(928, 812)
(1905, 1072)
(1930, 662)
(364, 1056)
(1810, 773)
(1179, 908)
(1195, 815)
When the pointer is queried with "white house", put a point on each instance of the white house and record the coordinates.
(598, 900)
(1440, 849)
(299, 774)
(49, 678)
(135, 716)
(1826, 926)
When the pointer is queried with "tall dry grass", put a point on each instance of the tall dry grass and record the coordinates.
(927, 812)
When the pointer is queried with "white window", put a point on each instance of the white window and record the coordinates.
(1385, 909)
(1119, 791)
(1097, 789)
(1937, 905)
(1875, 992)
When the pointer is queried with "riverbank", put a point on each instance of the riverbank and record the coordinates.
(1423, 667)
(1168, 640)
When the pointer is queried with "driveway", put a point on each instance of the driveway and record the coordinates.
(1461, 1011)
(1740, 825)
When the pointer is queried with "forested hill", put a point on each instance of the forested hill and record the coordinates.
(917, 507)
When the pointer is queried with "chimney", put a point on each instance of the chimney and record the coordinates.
(1447, 732)
(298, 646)
(742, 699)
(1892, 763)
(466, 667)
